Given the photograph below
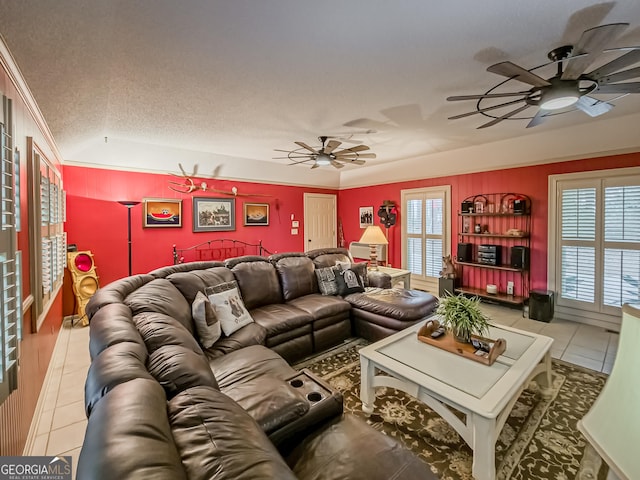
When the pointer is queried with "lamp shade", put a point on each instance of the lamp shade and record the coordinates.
(612, 426)
(373, 235)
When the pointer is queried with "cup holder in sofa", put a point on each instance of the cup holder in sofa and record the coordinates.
(314, 397)
(325, 403)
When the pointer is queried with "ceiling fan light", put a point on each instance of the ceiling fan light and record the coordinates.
(323, 160)
(559, 102)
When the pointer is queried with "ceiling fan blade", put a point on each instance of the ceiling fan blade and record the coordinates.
(462, 115)
(633, 87)
(505, 116)
(592, 107)
(302, 161)
(331, 146)
(353, 157)
(315, 165)
(369, 124)
(539, 117)
(622, 76)
(357, 148)
(336, 164)
(304, 145)
(511, 70)
(355, 161)
(623, 61)
(486, 95)
(592, 42)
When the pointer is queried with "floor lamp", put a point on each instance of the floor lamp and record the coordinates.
(129, 205)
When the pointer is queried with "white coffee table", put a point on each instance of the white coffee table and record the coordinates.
(398, 275)
(485, 394)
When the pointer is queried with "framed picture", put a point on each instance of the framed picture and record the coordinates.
(256, 214)
(366, 217)
(162, 212)
(214, 214)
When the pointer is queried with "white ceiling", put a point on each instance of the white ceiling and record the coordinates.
(222, 84)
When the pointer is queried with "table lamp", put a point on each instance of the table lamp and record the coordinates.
(374, 236)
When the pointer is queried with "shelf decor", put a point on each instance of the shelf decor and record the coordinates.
(495, 231)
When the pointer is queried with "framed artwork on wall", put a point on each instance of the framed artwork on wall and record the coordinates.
(161, 212)
(214, 214)
(256, 214)
(366, 217)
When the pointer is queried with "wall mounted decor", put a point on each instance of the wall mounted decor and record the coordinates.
(256, 214)
(366, 217)
(214, 214)
(161, 212)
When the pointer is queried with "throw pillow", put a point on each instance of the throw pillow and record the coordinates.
(349, 282)
(204, 316)
(327, 280)
(229, 307)
(359, 268)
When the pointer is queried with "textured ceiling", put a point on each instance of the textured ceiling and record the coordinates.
(224, 83)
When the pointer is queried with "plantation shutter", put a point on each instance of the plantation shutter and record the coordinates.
(599, 247)
(621, 280)
(424, 233)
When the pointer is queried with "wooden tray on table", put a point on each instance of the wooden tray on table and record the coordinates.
(487, 354)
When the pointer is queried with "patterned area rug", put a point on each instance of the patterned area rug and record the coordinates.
(539, 441)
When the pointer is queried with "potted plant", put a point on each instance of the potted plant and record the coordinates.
(463, 317)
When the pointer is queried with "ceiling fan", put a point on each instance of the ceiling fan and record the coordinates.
(570, 88)
(326, 154)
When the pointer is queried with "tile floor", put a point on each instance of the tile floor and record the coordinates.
(61, 422)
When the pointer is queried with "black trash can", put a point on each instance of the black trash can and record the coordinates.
(541, 305)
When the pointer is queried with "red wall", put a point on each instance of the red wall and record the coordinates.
(96, 222)
(531, 181)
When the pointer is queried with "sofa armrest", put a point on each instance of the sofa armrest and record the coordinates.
(379, 279)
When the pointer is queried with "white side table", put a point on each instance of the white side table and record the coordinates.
(398, 275)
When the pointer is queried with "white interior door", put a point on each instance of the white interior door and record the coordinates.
(320, 221)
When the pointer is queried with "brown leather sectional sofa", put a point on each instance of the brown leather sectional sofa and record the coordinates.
(161, 406)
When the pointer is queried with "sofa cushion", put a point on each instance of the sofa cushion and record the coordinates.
(115, 292)
(191, 282)
(328, 257)
(321, 306)
(257, 279)
(161, 296)
(248, 364)
(228, 306)
(218, 440)
(158, 329)
(280, 318)
(205, 320)
(326, 277)
(177, 368)
(128, 436)
(115, 365)
(296, 272)
(251, 334)
(112, 324)
(349, 282)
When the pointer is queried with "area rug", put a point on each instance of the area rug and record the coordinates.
(539, 441)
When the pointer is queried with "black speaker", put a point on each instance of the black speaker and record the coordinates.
(466, 207)
(541, 305)
(465, 252)
(520, 206)
(520, 257)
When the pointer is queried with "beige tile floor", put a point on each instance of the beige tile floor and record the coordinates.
(60, 422)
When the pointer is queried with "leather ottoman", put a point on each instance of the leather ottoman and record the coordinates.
(378, 313)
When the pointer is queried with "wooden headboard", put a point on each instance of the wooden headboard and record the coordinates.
(218, 249)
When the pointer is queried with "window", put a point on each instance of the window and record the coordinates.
(597, 244)
(426, 233)
(49, 245)
(10, 298)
